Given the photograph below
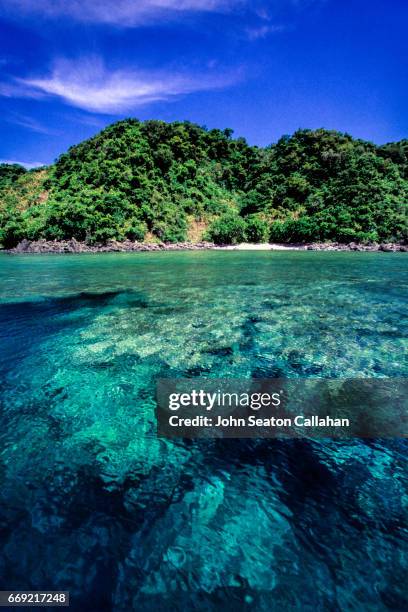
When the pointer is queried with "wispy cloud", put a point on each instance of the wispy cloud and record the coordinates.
(13, 89)
(89, 85)
(30, 123)
(28, 165)
(257, 33)
(120, 12)
(90, 120)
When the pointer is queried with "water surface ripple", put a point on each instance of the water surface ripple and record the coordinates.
(91, 501)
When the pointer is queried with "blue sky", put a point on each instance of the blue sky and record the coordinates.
(265, 68)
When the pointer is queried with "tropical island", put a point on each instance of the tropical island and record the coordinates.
(153, 185)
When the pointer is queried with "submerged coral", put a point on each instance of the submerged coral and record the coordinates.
(93, 502)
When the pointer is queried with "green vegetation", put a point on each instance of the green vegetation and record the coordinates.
(153, 180)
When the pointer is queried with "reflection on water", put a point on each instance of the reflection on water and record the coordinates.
(92, 502)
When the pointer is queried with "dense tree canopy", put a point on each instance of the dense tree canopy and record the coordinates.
(155, 180)
(9, 173)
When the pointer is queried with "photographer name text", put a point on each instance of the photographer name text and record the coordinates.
(253, 421)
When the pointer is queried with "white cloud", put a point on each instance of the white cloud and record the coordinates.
(89, 85)
(119, 12)
(28, 165)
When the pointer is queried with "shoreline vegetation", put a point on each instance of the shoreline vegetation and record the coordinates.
(113, 246)
(178, 183)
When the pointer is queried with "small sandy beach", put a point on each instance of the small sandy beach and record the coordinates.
(265, 246)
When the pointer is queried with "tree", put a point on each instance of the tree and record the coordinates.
(228, 229)
(257, 229)
(135, 178)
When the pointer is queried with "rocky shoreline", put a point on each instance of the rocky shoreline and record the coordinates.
(114, 246)
(386, 247)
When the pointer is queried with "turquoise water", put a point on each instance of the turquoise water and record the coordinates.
(91, 501)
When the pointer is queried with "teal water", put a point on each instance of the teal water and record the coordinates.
(91, 501)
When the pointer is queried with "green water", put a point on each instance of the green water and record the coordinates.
(93, 502)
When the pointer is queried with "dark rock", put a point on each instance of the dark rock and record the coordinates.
(387, 248)
(75, 246)
(23, 246)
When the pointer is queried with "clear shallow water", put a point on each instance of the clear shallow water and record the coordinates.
(92, 502)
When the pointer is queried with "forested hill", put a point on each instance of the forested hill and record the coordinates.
(174, 182)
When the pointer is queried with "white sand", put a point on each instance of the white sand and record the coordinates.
(265, 246)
